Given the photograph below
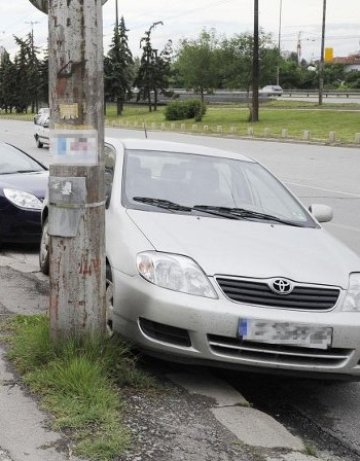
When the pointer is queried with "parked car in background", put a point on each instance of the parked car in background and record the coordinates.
(41, 134)
(212, 260)
(23, 182)
(42, 111)
(271, 90)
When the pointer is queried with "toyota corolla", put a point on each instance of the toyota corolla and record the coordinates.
(212, 260)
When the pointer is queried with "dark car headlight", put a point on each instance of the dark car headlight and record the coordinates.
(23, 199)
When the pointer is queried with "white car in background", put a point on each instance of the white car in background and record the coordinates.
(212, 260)
(271, 90)
(41, 134)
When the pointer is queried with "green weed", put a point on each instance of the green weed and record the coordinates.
(79, 382)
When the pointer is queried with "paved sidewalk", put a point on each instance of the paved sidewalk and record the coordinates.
(223, 425)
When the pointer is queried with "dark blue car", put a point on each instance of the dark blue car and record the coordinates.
(23, 183)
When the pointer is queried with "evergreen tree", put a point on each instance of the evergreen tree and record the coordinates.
(27, 75)
(162, 71)
(146, 77)
(7, 87)
(118, 68)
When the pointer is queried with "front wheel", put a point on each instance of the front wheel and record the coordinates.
(44, 249)
(109, 301)
(39, 144)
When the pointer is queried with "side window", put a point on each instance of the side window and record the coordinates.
(109, 157)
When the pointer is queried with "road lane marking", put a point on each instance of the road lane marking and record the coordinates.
(350, 194)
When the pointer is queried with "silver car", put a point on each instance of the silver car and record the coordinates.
(212, 260)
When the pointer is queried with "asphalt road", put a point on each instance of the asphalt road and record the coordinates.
(326, 413)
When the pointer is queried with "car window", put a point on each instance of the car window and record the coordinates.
(190, 180)
(12, 160)
(109, 158)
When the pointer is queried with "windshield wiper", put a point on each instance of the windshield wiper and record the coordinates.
(22, 171)
(162, 203)
(245, 214)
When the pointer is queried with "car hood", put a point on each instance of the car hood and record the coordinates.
(35, 183)
(251, 249)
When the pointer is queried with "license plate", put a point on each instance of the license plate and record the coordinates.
(283, 333)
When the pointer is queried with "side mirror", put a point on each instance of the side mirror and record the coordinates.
(322, 213)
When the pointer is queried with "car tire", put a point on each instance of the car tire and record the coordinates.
(44, 249)
(39, 144)
(109, 301)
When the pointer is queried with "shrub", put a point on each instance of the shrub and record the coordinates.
(181, 110)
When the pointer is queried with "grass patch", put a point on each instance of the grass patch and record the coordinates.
(79, 382)
(275, 116)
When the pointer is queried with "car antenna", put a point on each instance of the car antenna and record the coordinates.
(145, 131)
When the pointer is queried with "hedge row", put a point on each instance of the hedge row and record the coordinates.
(181, 110)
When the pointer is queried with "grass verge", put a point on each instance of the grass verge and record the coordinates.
(79, 383)
(279, 119)
(275, 117)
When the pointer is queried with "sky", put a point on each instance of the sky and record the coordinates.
(300, 20)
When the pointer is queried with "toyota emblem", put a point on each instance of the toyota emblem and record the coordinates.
(281, 286)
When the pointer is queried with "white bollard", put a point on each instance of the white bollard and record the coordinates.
(250, 131)
(267, 132)
(307, 135)
(219, 128)
(332, 136)
(357, 138)
(284, 133)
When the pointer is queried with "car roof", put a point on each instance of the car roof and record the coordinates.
(168, 146)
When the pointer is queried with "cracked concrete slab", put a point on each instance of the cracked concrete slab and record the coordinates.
(256, 428)
(209, 386)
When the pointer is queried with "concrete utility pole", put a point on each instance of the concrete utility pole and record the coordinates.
(76, 183)
(321, 63)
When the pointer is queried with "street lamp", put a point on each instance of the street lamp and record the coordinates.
(321, 64)
(279, 45)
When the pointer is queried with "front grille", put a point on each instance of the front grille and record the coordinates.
(277, 354)
(165, 333)
(305, 297)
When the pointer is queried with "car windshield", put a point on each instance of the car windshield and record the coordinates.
(188, 183)
(12, 160)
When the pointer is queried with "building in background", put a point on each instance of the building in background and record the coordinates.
(351, 62)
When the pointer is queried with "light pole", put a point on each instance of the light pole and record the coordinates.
(321, 64)
(279, 45)
(255, 66)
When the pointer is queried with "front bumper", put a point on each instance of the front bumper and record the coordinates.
(20, 226)
(212, 324)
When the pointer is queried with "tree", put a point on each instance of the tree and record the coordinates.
(236, 60)
(43, 87)
(197, 63)
(162, 71)
(27, 74)
(352, 79)
(154, 70)
(7, 87)
(118, 68)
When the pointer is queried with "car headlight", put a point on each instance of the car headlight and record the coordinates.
(23, 199)
(352, 300)
(175, 272)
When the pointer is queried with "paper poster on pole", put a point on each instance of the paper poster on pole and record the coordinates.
(74, 147)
